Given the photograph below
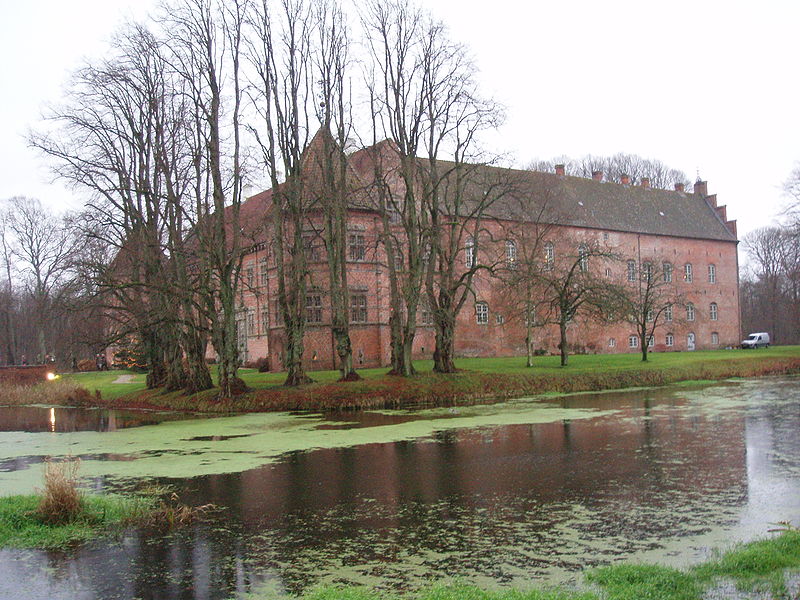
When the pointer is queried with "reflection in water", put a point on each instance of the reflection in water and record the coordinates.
(493, 505)
(65, 419)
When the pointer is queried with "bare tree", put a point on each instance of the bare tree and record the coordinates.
(127, 136)
(459, 193)
(331, 62)
(615, 167)
(281, 93)
(396, 33)
(571, 287)
(44, 248)
(8, 294)
(763, 246)
(524, 259)
(205, 43)
(646, 301)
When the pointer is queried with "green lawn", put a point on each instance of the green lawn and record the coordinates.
(543, 365)
(21, 528)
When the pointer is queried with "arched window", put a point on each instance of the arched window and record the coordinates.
(667, 268)
(690, 312)
(633, 341)
(481, 313)
(511, 254)
(469, 252)
(714, 338)
(669, 341)
(583, 257)
(631, 270)
(687, 273)
(647, 272)
(549, 256)
(668, 313)
(712, 273)
(712, 311)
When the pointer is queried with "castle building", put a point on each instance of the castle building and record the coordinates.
(686, 237)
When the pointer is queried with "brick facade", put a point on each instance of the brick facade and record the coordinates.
(712, 288)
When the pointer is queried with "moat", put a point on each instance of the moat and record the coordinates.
(519, 493)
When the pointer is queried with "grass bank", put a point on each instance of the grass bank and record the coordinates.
(760, 568)
(22, 527)
(478, 380)
(60, 515)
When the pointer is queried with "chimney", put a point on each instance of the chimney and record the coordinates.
(625, 179)
(597, 175)
(645, 182)
(679, 186)
(560, 170)
(701, 187)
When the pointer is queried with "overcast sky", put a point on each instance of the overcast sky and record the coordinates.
(708, 87)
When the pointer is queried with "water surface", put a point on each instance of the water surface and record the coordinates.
(513, 493)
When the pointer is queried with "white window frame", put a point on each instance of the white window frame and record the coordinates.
(688, 275)
(549, 256)
(669, 340)
(714, 338)
(583, 258)
(469, 252)
(691, 313)
(667, 268)
(713, 311)
(633, 341)
(481, 313)
(712, 273)
(631, 270)
(511, 254)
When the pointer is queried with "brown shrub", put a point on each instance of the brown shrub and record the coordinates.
(61, 501)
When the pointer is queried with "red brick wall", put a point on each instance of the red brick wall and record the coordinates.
(370, 340)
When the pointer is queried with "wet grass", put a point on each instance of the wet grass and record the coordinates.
(21, 525)
(761, 565)
(478, 380)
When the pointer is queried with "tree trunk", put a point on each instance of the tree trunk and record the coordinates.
(296, 374)
(175, 375)
(562, 326)
(529, 347)
(344, 351)
(226, 344)
(443, 354)
(157, 373)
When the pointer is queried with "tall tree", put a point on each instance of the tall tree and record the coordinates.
(44, 248)
(125, 136)
(331, 61)
(281, 92)
(206, 39)
(397, 38)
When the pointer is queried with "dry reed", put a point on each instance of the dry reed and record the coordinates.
(61, 501)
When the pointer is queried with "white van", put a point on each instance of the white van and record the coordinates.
(756, 340)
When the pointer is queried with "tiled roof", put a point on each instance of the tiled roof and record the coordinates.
(580, 202)
(548, 197)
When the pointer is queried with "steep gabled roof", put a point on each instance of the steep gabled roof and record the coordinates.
(529, 195)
